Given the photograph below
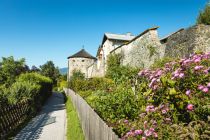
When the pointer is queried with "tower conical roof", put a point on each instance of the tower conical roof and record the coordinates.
(82, 54)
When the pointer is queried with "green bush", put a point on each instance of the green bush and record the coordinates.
(91, 84)
(119, 104)
(29, 86)
(45, 84)
(61, 84)
(3, 96)
(159, 63)
(77, 74)
(85, 94)
(23, 90)
(10, 69)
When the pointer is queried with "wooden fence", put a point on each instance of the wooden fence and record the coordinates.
(93, 126)
(11, 117)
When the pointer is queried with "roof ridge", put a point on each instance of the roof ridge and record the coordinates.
(118, 34)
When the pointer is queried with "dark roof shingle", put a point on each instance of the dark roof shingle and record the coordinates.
(82, 54)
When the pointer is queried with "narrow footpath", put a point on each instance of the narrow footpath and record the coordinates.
(49, 124)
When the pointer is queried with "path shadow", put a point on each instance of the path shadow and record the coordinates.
(34, 129)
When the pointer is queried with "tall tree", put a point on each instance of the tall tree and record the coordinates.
(35, 69)
(49, 70)
(204, 16)
(10, 69)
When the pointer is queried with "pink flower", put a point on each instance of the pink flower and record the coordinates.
(155, 134)
(208, 85)
(167, 119)
(164, 111)
(152, 129)
(125, 121)
(200, 87)
(147, 133)
(150, 108)
(198, 68)
(159, 73)
(181, 75)
(143, 138)
(197, 60)
(154, 80)
(138, 132)
(186, 61)
(205, 89)
(190, 107)
(176, 74)
(130, 134)
(188, 92)
(206, 71)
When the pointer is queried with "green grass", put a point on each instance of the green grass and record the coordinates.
(74, 130)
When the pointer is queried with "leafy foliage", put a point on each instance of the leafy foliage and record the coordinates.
(119, 104)
(10, 69)
(204, 16)
(93, 84)
(29, 86)
(159, 63)
(152, 50)
(23, 90)
(45, 83)
(49, 70)
(77, 75)
(62, 83)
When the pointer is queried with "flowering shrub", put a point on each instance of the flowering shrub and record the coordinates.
(177, 95)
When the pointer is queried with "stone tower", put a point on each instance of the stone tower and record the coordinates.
(80, 61)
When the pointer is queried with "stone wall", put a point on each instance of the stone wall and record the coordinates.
(188, 41)
(94, 71)
(143, 50)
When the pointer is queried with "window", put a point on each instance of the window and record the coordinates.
(83, 60)
(73, 60)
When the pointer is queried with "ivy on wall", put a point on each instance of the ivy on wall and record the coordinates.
(152, 50)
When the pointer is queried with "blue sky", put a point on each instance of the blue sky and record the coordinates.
(41, 30)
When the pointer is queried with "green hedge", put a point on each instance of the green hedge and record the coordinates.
(45, 83)
(93, 84)
(29, 86)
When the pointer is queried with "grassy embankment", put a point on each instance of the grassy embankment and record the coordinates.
(74, 130)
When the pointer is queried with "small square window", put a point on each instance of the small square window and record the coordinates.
(83, 60)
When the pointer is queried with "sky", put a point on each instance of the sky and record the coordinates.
(42, 30)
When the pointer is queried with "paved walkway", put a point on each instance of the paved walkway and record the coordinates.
(40, 129)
